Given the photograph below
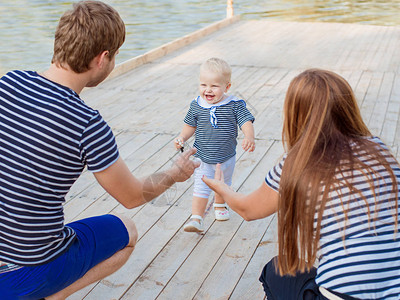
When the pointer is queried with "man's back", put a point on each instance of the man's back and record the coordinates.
(46, 136)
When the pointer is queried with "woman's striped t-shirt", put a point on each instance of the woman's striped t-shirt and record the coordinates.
(217, 127)
(47, 137)
(364, 260)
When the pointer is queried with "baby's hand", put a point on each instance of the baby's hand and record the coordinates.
(248, 144)
(178, 142)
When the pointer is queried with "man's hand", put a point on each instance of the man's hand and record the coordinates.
(183, 166)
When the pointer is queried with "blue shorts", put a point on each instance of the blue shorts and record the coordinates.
(97, 239)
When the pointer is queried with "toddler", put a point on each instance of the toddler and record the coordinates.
(214, 117)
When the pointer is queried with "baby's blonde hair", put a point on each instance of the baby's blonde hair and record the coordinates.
(217, 65)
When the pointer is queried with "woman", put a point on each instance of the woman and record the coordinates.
(336, 196)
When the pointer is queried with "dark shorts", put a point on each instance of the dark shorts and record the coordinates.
(97, 239)
(302, 286)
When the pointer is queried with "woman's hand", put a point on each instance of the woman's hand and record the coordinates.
(217, 184)
(258, 204)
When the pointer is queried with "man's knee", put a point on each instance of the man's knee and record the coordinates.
(131, 228)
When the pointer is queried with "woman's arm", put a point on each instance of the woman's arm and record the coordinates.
(257, 205)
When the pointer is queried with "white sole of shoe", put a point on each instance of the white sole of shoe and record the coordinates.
(193, 226)
(192, 229)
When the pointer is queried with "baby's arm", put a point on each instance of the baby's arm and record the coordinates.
(248, 143)
(186, 133)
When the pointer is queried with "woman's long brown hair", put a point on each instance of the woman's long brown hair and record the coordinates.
(322, 123)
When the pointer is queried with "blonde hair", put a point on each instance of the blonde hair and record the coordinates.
(219, 66)
(322, 123)
(84, 32)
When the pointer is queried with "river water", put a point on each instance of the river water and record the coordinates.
(27, 26)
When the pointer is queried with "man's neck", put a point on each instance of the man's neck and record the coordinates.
(66, 77)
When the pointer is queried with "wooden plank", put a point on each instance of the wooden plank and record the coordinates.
(271, 117)
(346, 59)
(389, 122)
(381, 104)
(322, 43)
(395, 97)
(138, 78)
(354, 79)
(368, 104)
(256, 81)
(392, 59)
(361, 89)
(374, 41)
(388, 50)
(382, 49)
(249, 287)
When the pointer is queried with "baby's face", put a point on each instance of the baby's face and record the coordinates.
(213, 86)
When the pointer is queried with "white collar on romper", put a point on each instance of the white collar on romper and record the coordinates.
(203, 103)
(213, 107)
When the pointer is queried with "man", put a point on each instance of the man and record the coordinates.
(47, 136)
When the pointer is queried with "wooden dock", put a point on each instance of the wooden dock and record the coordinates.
(145, 108)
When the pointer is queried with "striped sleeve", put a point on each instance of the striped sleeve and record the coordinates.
(190, 118)
(243, 115)
(274, 176)
(99, 149)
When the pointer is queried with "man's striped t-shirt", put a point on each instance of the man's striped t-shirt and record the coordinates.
(47, 137)
(217, 127)
(363, 260)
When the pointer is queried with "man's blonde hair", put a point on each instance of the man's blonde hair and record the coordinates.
(217, 65)
(84, 32)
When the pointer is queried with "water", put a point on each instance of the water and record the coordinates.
(27, 26)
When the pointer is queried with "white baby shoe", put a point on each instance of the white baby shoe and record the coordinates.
(193, 225)
(221, 215)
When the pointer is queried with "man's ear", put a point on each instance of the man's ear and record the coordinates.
(100, 59)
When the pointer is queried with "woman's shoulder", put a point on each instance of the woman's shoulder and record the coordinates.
(374, 141)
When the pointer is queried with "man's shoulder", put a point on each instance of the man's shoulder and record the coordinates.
(30, 87)
(18, 75)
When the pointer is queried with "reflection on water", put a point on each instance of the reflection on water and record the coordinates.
(352, 11)
(27, 26)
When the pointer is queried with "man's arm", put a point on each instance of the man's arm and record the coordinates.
(131, 192)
